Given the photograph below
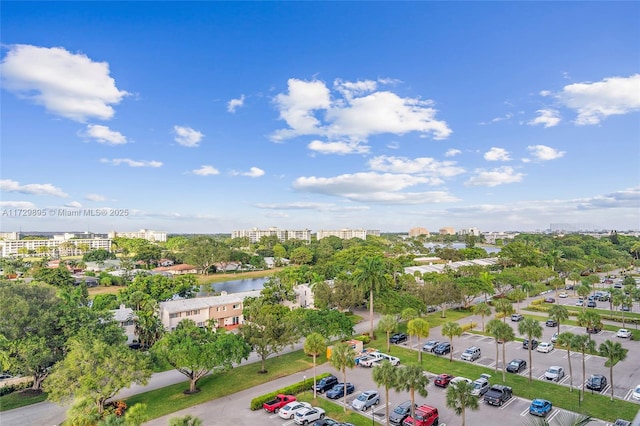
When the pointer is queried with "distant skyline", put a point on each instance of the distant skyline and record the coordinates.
(205, 117)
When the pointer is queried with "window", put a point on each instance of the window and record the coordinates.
(236, 306)
(126, 323)
(176, 315)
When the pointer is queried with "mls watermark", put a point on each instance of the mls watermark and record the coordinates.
(105, 212)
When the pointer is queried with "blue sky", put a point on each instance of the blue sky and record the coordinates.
(213, 116)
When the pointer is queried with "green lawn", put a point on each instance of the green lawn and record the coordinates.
(20, 399)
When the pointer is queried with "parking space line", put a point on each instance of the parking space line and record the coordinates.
(628, 395)
(552, 415)
(564, 379)
(605, 390)
(525, 412)
(508, 402)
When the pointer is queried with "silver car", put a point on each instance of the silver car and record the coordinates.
(365, 400)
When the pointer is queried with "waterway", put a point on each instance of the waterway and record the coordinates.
(234, 286)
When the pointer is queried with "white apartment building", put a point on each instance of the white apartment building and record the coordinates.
(70, 246)
(9, 235)
(147, 234)
(255, 234)
(469, 231)
(347, 234)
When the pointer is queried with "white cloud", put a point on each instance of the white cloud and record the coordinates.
(310, 206)
(8, 185)
(17, 204)
(497, 154)
(104, 135)
(360, 112)
(73, 204)
(393, 145)
(495, 177)
(340, 148)
(234, 104)
(543, 152)
(452, 152)
(620, 199)
(546, 117)
(66, 84)
(422, 165)
(596, 101)
(131, 163)
(254, 172)
(186, 136)
(95, 197)
(206, 171)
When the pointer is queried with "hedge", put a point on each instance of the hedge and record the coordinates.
(468, 326)
(7, 389)
(296, 388)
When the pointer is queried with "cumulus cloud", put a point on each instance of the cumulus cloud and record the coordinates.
(73, 204)
(309, 206)
(104, 135)
(545, 153)
(497, 154)
(131, 163)
(546, 118)
(422, 165)
(206, 171)
(8, 185)
(340, 148)
(627, 198)
(234, 104)
(95, 197)
(357, 111)
(186, 136)
(17, 204)
(495, 177)
(253, 172)
(452, 152)
(596, 101)
(67, 84)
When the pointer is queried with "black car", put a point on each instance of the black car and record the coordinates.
(326, 383)
(597, 382)
(400, 413)
(338, 390)
(399, 338)
(516, 365)
(591, 304)
(327, 422)
(442, 348)
(551, 323)
(525, 344)
(593, 330)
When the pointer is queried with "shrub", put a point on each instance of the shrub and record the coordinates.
(294, 389)
(537, 302)
(468, 326)
(364, 338)
(7, 389)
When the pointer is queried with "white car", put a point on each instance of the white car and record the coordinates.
(290, 410)
(384, 357)
(563, 295)
(636, 393)
(554, 373)
(545, 347)
(624, 333)
(460, 379)
(579, 303)
(309, 415)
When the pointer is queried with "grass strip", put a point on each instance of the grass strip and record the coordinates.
(20, 399)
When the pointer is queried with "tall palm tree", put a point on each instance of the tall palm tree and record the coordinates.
(504, 307)
(564, 340)
(558, 313)
(484, 310)
(412, 378)
(493, 329)
(408, 314)
(590, 320)
(419, 328)
(614, 352)
(530, 328)
(314, 345)
(385, 375)
(459, 398)
(583, 291)
(506, 334)
(370, 275)
(388, 324)
(583, 344)
(342, 357)
(527, 286)
(487, 283)
(451, 329)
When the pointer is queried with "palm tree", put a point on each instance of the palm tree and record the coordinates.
(614, 352)
(504, 307)
(583, 291)
(527, 286)
(482, 309)
(506, 334)
(388, 324)
(487, 283)
(187, 420)
(530, 328)
(370, 276)
(419, 328)
(459, 398)
(385, 375)
(558, 313)
(342, 357)
(517, 295)
(408, 314)
(493, 329)
(564, 340)
(583, 344)
(451, 329)
(314, 345)
(412, 378)
(563, 418)
(590, 320)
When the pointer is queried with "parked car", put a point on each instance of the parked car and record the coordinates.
(290, 410)
(554, 338)
(540, 407)
(580, 302)
(624, 333)
(279, 401)
(401, 412)
(442, 381)
(430, 345)
(5, 376)
(593, 330)
(549, 300)
(338, 390)
(554, 373)
(328, 422)
(442, 348)
(326, 383)
(636, 393)
(545, 347)
(525, 344)
(481, 385)
(399, 338)
(460, 379)
(563, 295)
(622, 422)
(516, 365)
(394, 360)
(498, 395)
(551, 323)
(307, 415)
(591, 304)
(626, 308)
(517, 317)
(471, 354)
(425, 415)
(365, 400)
(596, 382)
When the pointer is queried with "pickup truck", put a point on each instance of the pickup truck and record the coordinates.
(370, 359)
(498, 395)
(277, 403)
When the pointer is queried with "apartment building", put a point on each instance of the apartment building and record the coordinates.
(414, 232)
(447, 231)
(347, 234)
(146, 234)
(469, 231)
(53, 246)
(255, 234)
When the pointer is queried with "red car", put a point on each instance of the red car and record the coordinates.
(443, 380)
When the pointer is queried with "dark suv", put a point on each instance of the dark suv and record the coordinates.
(597, 382)
(534, 344)
(326, 383)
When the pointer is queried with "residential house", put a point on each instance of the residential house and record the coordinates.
(126, 318)
(181, 269)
